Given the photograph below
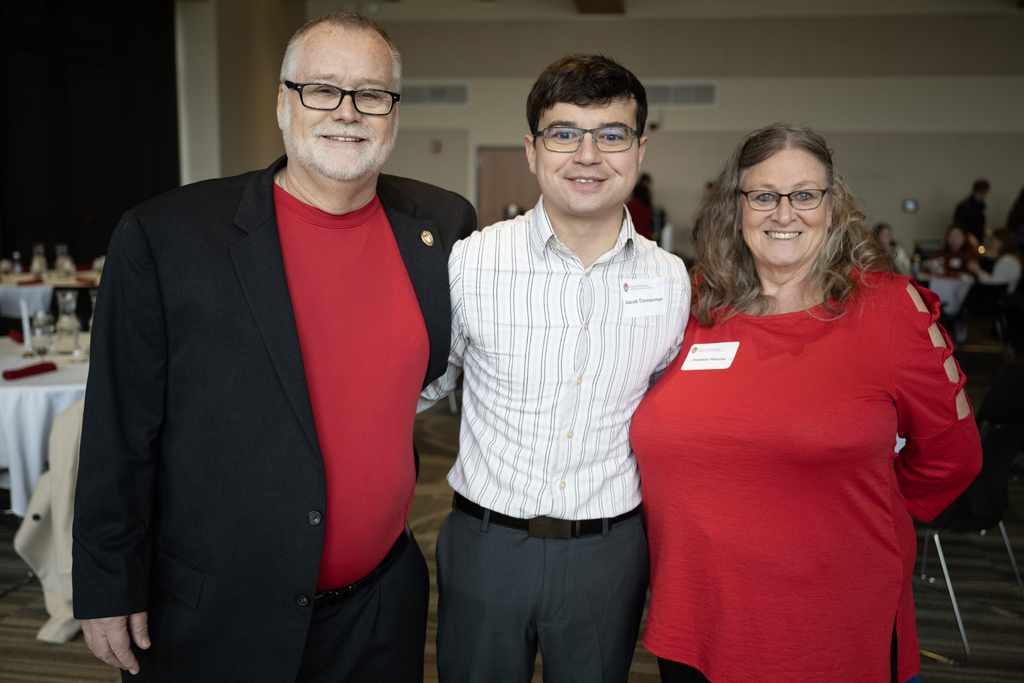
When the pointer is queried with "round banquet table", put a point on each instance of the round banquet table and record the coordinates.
(39, 295)
(952, 292)
(27, 408)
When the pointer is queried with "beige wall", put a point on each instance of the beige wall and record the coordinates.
(916, 107)
(251, 37)
(435, 156)
(229, 57)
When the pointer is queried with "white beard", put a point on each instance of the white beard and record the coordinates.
(313, 153)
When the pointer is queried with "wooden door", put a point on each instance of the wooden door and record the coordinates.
(503, 177)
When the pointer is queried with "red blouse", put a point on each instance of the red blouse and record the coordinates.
(777, 511)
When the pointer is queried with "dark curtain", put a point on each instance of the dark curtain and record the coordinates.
(88, 125)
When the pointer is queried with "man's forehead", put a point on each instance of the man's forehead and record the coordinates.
(330, 50)
(620, 111)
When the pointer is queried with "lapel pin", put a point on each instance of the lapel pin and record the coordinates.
(427, 238)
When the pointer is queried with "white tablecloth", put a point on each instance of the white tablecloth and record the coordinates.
(36, 296)
(952, 292)
(27, 409)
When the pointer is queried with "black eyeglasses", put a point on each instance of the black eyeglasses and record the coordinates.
(607, 139)
(765, 200)
(328, 97)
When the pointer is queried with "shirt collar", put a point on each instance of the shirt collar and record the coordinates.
(541, 232)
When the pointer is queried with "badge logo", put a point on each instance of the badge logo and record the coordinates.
(427, 238)
(625, 286)
(693, 349)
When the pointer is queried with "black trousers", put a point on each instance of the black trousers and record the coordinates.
(375, 634)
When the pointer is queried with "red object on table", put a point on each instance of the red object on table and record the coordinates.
(16, 337)
(86, 280)
(37, 281)
(30, 370)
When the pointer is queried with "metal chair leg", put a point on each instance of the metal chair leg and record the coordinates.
(956, 611)
(924, 558)
(1013, 562)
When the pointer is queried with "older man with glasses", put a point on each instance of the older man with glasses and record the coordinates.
(561, 320)
(259, 348)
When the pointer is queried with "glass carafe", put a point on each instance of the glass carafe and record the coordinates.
(67, 323)
(64, 265)
(41, 329)
(39, 265)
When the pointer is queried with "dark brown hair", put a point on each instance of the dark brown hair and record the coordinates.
(980, 185)
(1009, 243)
(584, 80)
(725, 279)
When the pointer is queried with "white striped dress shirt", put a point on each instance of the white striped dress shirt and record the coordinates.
(553, 366)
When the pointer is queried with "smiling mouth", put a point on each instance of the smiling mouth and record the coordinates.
(587, 181)
(343, 138)
(781, 235)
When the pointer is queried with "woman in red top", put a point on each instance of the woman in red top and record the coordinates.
(778, 513)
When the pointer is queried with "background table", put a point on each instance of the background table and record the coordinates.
(27, 409)
(39, 295)
(952, 292)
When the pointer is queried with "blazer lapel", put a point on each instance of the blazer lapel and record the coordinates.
(427, 265)
(260, 268)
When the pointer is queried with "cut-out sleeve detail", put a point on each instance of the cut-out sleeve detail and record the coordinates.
(963, 408)
(951, 370)
(918, 301)
(943, 451)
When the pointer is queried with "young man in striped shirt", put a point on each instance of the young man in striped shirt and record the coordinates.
(561, 320)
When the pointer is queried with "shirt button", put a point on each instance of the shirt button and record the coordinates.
(588, 273)
(586, 326)
(301, 600)
(579, 381)
(561, 485)
(570, 434)
(314, 517)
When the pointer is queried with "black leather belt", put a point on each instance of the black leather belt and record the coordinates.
(543, 526)
(333, 595)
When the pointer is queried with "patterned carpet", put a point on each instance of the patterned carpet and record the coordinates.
(979, 566)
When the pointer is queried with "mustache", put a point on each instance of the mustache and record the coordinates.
(344, 131)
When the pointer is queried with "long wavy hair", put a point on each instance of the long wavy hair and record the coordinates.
(725, 279)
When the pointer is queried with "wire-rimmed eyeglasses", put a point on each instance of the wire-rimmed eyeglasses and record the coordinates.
(766, 200)
(607, 139)
(329, 97)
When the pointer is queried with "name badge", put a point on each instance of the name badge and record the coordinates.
(644, 296)
(710, 356)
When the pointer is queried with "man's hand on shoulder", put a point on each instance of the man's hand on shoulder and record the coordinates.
(109, 640)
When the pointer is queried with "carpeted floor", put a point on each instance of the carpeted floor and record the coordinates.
(979, 566)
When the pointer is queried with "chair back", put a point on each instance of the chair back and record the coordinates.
(1004, 401)
(985, 300)
(987, 494)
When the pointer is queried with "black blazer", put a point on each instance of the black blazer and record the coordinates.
(199, 459)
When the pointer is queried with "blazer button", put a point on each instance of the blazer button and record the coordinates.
(301, 600)
(314, 517)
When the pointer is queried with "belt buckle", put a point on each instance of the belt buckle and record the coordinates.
(548, 527)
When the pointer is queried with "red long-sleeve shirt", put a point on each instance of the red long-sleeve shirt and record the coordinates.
(365, 350)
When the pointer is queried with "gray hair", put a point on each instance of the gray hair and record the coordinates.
(350, 21)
